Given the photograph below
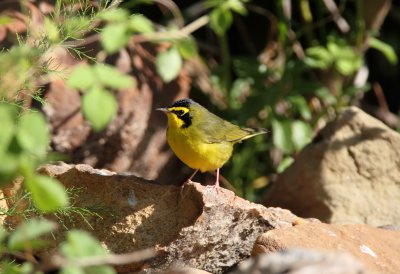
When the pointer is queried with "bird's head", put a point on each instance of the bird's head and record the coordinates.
(180, 113)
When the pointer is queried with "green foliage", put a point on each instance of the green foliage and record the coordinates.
(82, 77)
(337, 55)
(169, 64)
(99, 106)
(32, 235)
(28, 235)
(120, 28)
(16, 69)
(284, 164)
(80, 244)
(384, 48)
(32, 133)
(221, 17)
(48, 194)
(220, 20)
(282, 135)
(187, 47)
(22, 148)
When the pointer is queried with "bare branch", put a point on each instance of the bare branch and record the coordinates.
(337, 17)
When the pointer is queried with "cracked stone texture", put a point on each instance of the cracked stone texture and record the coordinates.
(194, 227)
(350, 173)
(377, 249)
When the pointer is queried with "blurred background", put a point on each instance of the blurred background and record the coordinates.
(288, 66)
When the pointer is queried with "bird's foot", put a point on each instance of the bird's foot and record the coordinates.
(185, 183)
(216, 187)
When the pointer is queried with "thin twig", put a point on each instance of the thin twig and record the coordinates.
(180, 22)
(182, 33)
(337, 17)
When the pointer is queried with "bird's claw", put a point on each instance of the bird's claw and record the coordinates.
(216, 187)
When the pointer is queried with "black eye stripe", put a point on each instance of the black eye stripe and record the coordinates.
(179, 112)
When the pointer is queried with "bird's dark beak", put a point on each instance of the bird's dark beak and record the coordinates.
(165, 110)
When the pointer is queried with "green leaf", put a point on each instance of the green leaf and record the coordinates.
(14, 268)
(326, 95)
(26, 235)
(114, 15)
(139, 23)
(33, 133)
(236, 5)
(187, 47)
(335, 50)
(114, 37)
(82, 77)
(99, 107)
(301, 106)
(284, 164)
(345, 66)
(282, 135)
(318, 57)
(301, 134)
(346, 60)
(47, 193)
(111, 77)
(8, 167)
(81, 244)
(7, 121)
(169, 64)
(220, 20)
(384, 48)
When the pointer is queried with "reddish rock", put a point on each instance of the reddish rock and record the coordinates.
(194, 227)
(378, 249)
(350, 173)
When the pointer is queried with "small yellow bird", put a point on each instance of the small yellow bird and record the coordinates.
(200, 139)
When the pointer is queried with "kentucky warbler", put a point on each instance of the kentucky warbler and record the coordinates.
(200, 139)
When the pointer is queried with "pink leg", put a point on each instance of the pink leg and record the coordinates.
(191, 176)
(216, 185)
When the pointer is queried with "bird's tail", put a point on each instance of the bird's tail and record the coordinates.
(253, 132)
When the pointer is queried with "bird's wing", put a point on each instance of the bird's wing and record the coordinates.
(217, 130)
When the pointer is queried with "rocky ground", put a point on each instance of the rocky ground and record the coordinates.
(345, 186)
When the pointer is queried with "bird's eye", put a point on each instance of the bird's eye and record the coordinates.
(179, 112)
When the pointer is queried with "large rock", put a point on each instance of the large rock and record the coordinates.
(378, 249)
(194, 227)
(350, 173)
(301, 261)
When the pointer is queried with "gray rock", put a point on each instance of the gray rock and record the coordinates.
(301, 261)
(350, 173)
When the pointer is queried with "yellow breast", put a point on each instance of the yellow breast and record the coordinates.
(191, 149)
